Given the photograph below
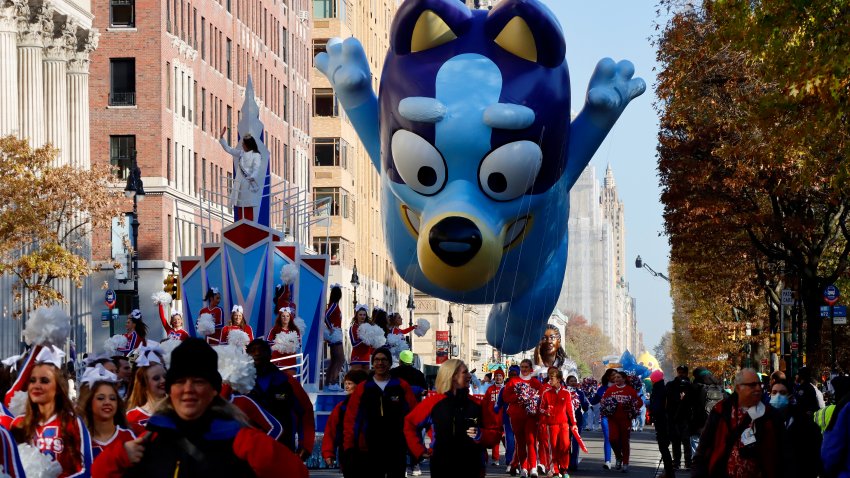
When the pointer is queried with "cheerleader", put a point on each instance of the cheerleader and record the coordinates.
(148, 390)
(580, 406)
(237, 322)
(557, 424)
(603, 420)
(9, 457)
(361, 353)
(137, 332)
(174, 329)
(284, 323)
(333, 322)
(620, 404)
(380, 318)
(283, 298)
(213, 299)
(102, 409)
(395, 325)
(49, 423)
(523, 418)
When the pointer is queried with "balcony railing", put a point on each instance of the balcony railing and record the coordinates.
(122, 99)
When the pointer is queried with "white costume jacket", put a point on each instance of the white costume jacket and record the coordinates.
(247, 187)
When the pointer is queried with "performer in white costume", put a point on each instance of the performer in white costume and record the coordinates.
(247, 187)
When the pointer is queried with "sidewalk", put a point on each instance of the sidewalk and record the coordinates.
(644, 459)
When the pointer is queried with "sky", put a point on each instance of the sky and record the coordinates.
(622, 30)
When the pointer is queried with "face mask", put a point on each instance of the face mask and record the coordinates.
(779, 401)
(571, 389)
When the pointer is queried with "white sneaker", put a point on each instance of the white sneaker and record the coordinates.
(523, 473)
(416, 471)
(607, 465)
(533, 474)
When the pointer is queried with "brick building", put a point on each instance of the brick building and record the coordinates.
(167, 77)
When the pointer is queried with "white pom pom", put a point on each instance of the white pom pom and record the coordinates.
(334, 335)
(238, 338)
(161, 298)
(288, 274)
(48, 326)
(37, 464)
(168, 346)
(206, 325)
(423, 327)
(112, 344)
(302, 326)
(372, 335)
(236, 367)
(287, 343)
(18, 403)
(397, 344)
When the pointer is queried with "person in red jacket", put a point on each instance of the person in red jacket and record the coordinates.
(197, 432)
(557, 423)
(523, 415)
(237, 322)
(333, 325)
(462, 432)
(620, 404)
(332, 441)
(373, 433)
(360, 351)
(488, 404)
(213, 299)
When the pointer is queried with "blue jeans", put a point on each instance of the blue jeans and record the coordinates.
(607, 441)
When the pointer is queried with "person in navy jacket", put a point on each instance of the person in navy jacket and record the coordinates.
(373, 433)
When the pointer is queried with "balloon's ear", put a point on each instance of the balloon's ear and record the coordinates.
(421, 25)
(527, 29)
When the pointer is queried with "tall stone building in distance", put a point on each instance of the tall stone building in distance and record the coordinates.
(168, 76)
(45, 53)
(594, 282)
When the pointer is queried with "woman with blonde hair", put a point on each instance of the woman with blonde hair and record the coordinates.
(462, 432)
(148, 390)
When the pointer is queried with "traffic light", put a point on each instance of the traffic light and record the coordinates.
(172, 286)
(774, 342)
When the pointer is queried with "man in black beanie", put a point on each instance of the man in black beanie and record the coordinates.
(196, 432)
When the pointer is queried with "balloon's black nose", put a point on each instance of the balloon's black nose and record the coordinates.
(455, 240)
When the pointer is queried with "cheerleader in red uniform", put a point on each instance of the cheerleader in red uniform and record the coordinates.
(237, 322)
(148, 390)
(361, 353)
(213, 298)
(283, 323)
(102, 409)
(174, 329)
(333, 322)
(488, 405)
(137, 332)
(557, 423)
(395, 325)
(9, 457)
(620, 404)
(283, 298)
(523, 419)
(50, 423)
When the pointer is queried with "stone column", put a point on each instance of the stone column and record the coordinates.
(31, 77)
(56, 54)
(8, 68)
(79, 152)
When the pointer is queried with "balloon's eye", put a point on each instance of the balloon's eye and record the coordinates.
(509, 171)
(418, 163)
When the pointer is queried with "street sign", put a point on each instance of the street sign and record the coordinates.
(109, 298)
(831, 294)
(824, 311)
(839, 311)
(795, 345)
(839, 321)
(787, 297)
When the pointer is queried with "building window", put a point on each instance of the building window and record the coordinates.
(330, 152)
(325, 102)
(341, 203)
(324, 8)
(227, 56)
(229, 125)
(122, 13)
(286, 103)
(320, 45)
(203, 109)
(121, 150)
(122, 74)
(203, 38)
(284, 44)
(334, 247)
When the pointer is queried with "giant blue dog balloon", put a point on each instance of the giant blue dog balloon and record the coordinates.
(472, 136)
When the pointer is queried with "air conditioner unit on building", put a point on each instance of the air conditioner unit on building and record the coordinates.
(122, 271)
(303, 15)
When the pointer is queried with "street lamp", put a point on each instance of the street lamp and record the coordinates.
(135, 189)
(450, 320)
(355, 282)
(643, 265)
(410, 306)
